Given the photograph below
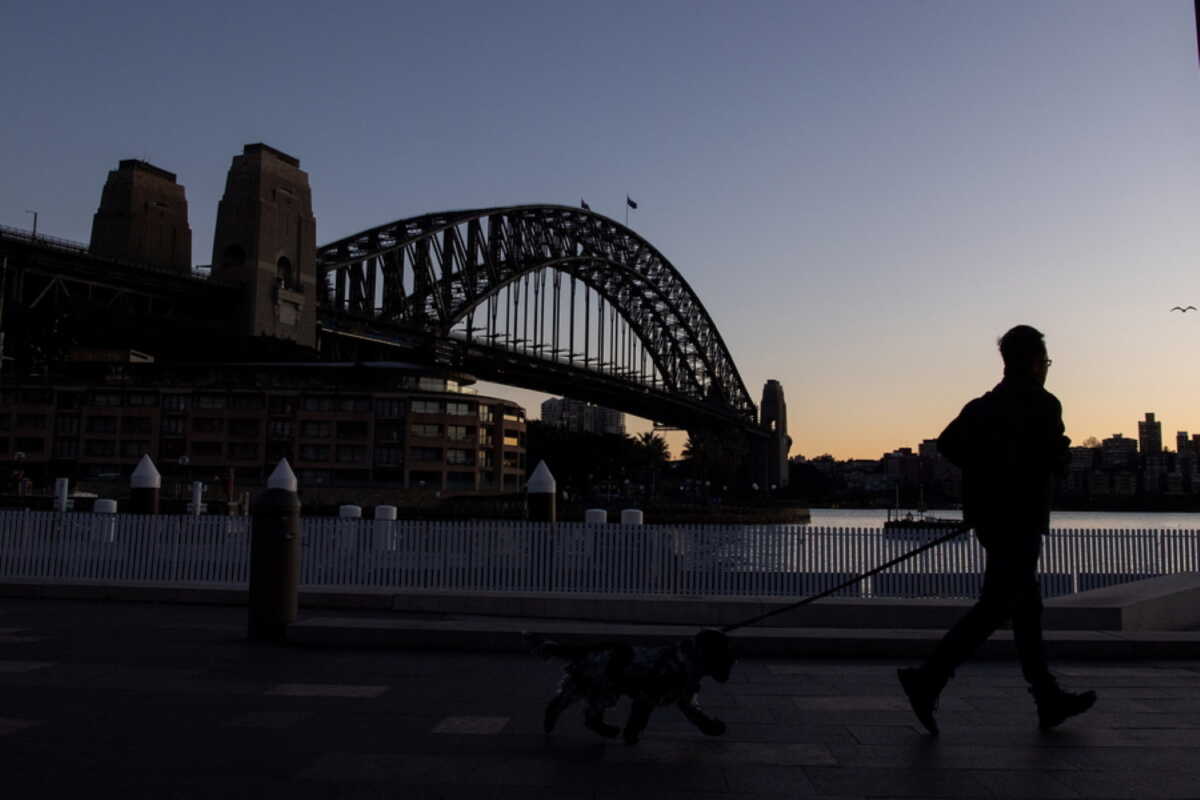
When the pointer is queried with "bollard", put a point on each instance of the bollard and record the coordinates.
(385, 527)
(106, 519)
(540, 493)
(631, 516)
(61, 490)
(596, 516)
(144, 485)
(275, 557)
(197, 506)
(350, 512)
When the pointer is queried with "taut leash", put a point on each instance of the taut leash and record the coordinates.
(961, 529)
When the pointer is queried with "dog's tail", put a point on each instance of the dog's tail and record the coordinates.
(545, 648)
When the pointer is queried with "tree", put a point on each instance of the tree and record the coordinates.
(1090, 441)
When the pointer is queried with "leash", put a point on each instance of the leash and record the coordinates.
(961, 529)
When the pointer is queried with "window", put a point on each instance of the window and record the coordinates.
(511, 460)
(141, 399)
(208, 424)
(245, 451)
(389, 456)
(102, 425)
(171, 448)
(425, 480)
(283, 272)
(485, 414)
(315, 477)
(176, 402)
(459, 457)
(486, 439)
(459, 409)
(283, 404)
(485, 459)
(106, 399)
(314, 452)
(433, 454)
(458, 433)
(316, 430)
(66, 448)
(134, 448)
(99, 448)
(427, 431)
(317, 403)
(514, 414)
(353, 404)
(70, 400)
(37, 397)
(31, 422)
(207, 449)
(67, 425)
(512, 439)
(172, 426)
(135, 425)
(243, 428)
(389, 408)
(389, 431)
(426, 406)
(30, 445)
(278, 450)
(246, 402)
(281, 429)
(211, 401)
(352, 430)
(351, 454)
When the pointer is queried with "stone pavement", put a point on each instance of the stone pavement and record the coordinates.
(144, 700)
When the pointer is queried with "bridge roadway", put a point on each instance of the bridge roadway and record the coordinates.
(154, 700)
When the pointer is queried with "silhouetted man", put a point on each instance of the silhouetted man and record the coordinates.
(1010, 445)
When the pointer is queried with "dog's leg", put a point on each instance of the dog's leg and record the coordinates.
(593, 718)
(709, 726)
(556, 706)
(639, 715)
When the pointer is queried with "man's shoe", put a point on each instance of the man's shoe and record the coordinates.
(922, 696)
(1056, 706)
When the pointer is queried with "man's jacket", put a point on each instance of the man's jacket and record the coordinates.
(1010, 446)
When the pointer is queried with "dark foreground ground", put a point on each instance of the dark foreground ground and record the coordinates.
(121, 700)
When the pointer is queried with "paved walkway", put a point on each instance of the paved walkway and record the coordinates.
(127, 700)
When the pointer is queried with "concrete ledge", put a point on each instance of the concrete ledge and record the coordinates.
(505, 636)
(1166, 603)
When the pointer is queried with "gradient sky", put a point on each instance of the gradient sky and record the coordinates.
(864, 195)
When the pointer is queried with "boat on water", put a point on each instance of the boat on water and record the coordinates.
(916, 524)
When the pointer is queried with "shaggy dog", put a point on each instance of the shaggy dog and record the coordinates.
(649, 676)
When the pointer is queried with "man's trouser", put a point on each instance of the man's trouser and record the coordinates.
(1010, 591)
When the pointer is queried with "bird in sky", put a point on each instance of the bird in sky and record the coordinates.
(1184, 309)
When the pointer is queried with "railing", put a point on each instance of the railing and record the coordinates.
(680, 560)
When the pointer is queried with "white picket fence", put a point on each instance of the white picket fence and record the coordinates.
(476, 556)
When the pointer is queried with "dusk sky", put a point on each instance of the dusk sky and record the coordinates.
(864, 195)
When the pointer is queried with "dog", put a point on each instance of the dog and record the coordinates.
(650, 676)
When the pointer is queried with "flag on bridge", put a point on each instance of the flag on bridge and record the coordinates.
(583, 204)
(633, 205)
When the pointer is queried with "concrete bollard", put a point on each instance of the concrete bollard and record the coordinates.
(106, 519)
(385, 528)
(631, 516)
(540, 493)
(197, 506)
(61, 492)
(275, 557)
(596, 516)
(144, 486)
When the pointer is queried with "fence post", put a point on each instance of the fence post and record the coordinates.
(631, 516)
(385, 528)
(197, 506)
(539, 494)
(144, 485)
(106, 519)
(596, 516)
(61, 491)
(275, 557)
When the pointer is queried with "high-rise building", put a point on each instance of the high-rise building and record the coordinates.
(1118, 451)
(581, 416)
(1183, 444)
(1150, 435)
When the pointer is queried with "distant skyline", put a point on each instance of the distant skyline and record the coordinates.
(864, 195)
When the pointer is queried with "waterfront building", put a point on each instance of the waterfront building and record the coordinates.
(581, 416)
(1118, 451)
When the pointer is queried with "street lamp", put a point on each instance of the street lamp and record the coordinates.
(35, 215)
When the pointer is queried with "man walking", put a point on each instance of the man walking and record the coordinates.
(1009, 444)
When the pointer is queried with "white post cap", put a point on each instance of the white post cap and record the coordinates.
(385, 512)
(631, 516)
(541, 481)
(595, 516)
(103, 506)
(350, 512)
(145, 475)
(282, 477)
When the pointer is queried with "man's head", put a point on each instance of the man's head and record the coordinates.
(1023, 349)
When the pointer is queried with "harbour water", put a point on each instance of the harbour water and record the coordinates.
(1085, 520)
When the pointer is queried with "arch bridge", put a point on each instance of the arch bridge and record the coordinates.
(552, 298)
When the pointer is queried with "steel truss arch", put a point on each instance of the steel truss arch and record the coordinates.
(430, 273)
